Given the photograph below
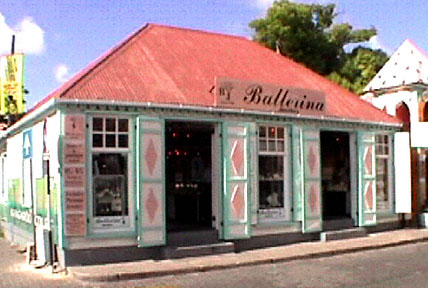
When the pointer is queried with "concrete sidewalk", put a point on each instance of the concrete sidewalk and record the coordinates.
(150, 268)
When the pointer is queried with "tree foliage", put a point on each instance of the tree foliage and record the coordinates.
(358, 68)
(307, 33)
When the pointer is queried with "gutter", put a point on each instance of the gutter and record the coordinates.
(182, 107)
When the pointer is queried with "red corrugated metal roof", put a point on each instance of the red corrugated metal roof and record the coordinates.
(165, 64)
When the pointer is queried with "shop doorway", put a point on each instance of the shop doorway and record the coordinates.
(188, 176)
(336, 179)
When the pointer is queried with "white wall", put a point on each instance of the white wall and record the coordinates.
(391, 100)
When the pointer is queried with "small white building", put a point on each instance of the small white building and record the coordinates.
(401, 89)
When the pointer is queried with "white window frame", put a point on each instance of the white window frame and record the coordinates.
(389, 206)
(103, 224)
(284, 213)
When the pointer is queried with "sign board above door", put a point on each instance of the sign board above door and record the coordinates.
(238, 94)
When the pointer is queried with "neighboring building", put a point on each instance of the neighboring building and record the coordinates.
(182, 137)
(400, 88)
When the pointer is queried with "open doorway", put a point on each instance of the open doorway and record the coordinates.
(188, 176)
(336, 178)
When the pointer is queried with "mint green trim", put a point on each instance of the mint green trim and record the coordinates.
(63, 239)
(221, 178)
(296, 164)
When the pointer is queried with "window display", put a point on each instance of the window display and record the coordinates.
(272, 180)
(382, 172)
(110, 195)
(110, 172)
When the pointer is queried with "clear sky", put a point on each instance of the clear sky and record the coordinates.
(61, 37)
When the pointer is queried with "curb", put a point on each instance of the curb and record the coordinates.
(205, 268)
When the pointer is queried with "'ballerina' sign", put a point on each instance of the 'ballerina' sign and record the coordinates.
(231, 93)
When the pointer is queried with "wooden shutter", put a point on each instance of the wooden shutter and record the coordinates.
(236, 198)
(366, 179)
(151, 182)
(311, 216)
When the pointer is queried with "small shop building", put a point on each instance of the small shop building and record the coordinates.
(178, 137)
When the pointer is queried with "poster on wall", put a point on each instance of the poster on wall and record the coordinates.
(11, 84)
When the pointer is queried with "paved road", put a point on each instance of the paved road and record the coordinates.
(14, 273)
(402, 266)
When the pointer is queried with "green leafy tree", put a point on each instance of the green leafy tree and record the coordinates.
(358, 68)
(307, 34)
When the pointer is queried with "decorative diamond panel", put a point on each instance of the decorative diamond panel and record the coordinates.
(151, 205)
(238, 202)
(368, 161)
(237, 158)
(151, 156)
(313, 199)
(312, 160)
(368, 195)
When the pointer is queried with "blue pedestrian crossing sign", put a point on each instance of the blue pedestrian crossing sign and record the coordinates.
(27, 144)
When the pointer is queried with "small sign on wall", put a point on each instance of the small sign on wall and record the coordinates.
(75, 126)
(74, 173)
(75, 224)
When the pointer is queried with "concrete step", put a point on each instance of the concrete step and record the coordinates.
(198, 250)
(337, 224)
(343, 234)
(192, 238)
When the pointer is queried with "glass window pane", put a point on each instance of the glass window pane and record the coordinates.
(272, 146)
(271, 182)
(111, 140)
(97, 140)
(262, 131)
(123, 141)
(280, 132)
(280, 146)
(263, 145)
(123, 125)
(110, 124)
(110, 193)
(272, 132)
(97, 124)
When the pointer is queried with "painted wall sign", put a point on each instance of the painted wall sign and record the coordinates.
(75, 200)
(232, 93)
(74, 126)
(74, 176)
(75, 224)
(74, 151)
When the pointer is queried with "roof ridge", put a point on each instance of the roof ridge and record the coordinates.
(416, 46)
(197, 30)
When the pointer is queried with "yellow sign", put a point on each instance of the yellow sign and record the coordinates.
(11, 84)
